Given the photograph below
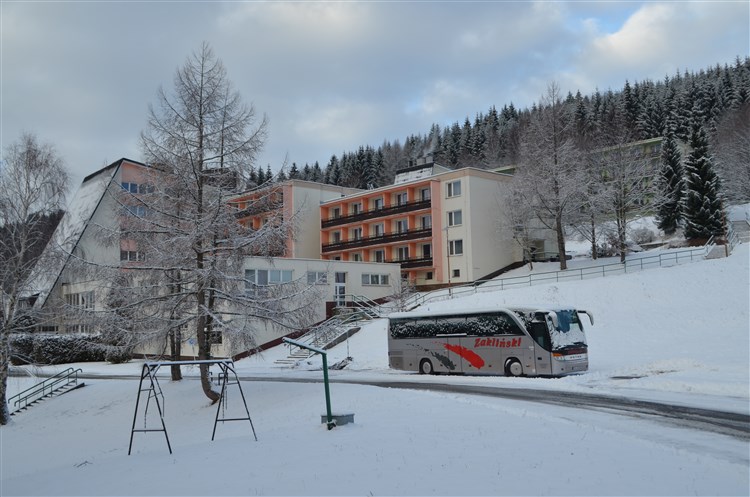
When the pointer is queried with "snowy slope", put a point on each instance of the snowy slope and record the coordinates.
(681, 333)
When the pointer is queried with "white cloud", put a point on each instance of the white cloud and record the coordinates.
(660, 38)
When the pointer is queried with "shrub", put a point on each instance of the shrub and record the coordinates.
(642, 235)
(56, 349)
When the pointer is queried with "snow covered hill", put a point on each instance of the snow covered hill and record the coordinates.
(679, 334)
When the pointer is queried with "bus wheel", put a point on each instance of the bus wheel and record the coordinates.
(425, 367)
(513, 368)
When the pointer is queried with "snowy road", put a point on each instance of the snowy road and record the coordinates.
(732, 424)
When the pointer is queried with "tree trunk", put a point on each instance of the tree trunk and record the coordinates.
(4, 366)
(561, 242)
(204, 350)
(175, 349)
(594, 251)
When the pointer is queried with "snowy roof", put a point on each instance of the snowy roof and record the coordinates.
(72, 226)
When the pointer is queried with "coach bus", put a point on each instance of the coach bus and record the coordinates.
(507, 341)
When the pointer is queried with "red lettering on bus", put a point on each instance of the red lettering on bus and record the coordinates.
(468, 354)
(496, 342)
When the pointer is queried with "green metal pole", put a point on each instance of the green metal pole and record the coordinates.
(330, 422)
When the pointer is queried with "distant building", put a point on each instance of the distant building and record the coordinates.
(295, 200)
(441, 225)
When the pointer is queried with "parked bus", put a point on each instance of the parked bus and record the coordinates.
(508, 341)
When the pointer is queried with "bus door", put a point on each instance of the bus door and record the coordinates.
(542, 346)
(450, 359)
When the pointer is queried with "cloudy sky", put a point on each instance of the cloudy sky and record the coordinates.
(334, 76)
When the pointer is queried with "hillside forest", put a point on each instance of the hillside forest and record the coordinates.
(716, 98)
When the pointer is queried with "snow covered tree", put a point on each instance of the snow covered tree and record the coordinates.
(628, 168)
(704, 208)
(33, 182)
(201, 140)
(670, 186)
(550, 178)
(731, 147)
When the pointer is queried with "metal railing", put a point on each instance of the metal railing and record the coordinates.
(378, 239)
(375, 213)
(48, 386)
(589, 272)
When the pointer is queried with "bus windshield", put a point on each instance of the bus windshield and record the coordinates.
(569, 330)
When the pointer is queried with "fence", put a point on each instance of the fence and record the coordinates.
(590, 272)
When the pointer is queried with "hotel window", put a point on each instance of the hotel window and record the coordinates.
(454, 188)
(335, 212)
(356, 208)
(135, 210)
(425, 222)
(402, 226)
(426, 250)
(454, 218)
(377, 203)
(402, 253)
(264, 277)
(456, 273)
(356, 233)
(424, 194)
(132, 256)
(317, 277)
(357, 257)
(377, 229)
(401, 198)
(456, 247)
(336, 237)
(380, 256)
(375, 279)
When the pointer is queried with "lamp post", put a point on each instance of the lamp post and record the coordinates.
(448, 258)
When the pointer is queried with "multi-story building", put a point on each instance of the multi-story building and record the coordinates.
(99, 206)
(440, 225)
(296, 202)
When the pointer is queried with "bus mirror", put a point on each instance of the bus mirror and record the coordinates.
(590, 315)
(553, 316)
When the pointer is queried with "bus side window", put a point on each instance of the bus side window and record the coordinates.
(539, 333)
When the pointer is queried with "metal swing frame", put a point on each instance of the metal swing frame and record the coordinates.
(153, 388)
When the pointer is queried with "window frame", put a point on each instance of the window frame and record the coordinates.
(453, 245)
(453, 189)
(452, 215)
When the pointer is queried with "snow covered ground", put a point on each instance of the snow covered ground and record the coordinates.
(678, 334)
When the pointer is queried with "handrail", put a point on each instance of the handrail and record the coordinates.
(660, 260)
(45, 387)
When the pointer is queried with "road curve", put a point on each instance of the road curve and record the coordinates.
(733, 424)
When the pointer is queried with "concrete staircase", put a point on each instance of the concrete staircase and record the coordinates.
(345, 323)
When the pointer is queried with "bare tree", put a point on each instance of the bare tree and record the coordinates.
(33, 182)
(184, 229)
(627, 186)
(550, 178)
(518, 221)
(730, 145)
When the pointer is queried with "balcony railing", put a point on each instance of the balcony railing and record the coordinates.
(380, 239)
(260, 207)
(413, 262)
(385, 211)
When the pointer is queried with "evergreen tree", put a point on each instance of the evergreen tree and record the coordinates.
(294, 172)
(317, 173)
(671, 187)
(703, 209)
(269, 174)
(260, 177)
